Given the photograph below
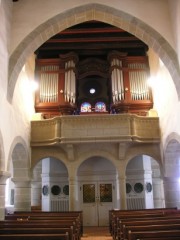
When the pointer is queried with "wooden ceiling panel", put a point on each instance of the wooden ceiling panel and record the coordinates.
(92, 38)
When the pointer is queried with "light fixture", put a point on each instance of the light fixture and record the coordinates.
(92, 91)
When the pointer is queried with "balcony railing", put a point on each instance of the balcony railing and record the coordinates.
(95, 128)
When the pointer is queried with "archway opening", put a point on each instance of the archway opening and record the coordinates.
(144, 185)
(97, 179)
(49, 185)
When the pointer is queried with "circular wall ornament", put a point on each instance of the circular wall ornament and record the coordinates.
(148, 187)
(55, 190)
(66, 189)
(128, 187)
(45, 190)
(138, 187)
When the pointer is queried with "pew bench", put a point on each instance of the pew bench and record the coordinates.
(158, 227)
(43, 224)
(154, 235)
(35, 236)
(38, 231)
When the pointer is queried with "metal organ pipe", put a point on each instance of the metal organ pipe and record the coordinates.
(49, 84)
(138, 81)
(117, 80)
(70, 82)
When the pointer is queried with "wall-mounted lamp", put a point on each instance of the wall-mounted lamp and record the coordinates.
(61, 91)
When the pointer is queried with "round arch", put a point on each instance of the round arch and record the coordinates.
(51, 157)
(152, 151)
(99, 153)
(18, 154)
(84, 13)
(40, 153)
(171, 159)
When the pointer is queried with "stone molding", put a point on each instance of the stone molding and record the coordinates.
(89, 129)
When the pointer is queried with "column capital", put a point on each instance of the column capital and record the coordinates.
(21, 182)
(4, 176)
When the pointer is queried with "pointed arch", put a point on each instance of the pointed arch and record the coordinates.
(85, 13)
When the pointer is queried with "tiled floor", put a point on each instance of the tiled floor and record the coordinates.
(96, 233)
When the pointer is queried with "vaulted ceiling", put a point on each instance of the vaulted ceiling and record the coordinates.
(92, 39)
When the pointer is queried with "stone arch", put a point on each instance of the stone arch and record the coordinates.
(171, 155)
(170, 137)
(152, 151)
(20, 158)
(41, 153)
(89, 12)
(87, 155)
(2, 157)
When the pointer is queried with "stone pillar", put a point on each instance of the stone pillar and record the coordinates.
(3, 177)
(122, 191)
(158, 193)
(121, 183)
(73, 194)
(36, 193)
(22, 194)
(73, 187)
(172, 192)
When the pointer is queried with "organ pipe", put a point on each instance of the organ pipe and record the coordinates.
(70, 82)
(138, 81)
(117, 80)
(49, 84)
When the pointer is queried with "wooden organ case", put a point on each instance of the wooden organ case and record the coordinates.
(120, 81)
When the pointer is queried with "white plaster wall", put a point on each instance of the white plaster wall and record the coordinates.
(5, 20)
(175, 18)
(165, 97)
(27, 15)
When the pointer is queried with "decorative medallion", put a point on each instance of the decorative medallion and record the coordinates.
(138, 187)
(128, 187)
(66, 190)
(45, 190)
(148, 187)
(55, 190)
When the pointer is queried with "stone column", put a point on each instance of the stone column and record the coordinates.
(3, 177)
(158, 193)
(172, 192)
(122, 192)
(22, 194)
(73, 184)
(36, 193)
(73, 194)
(121, 185)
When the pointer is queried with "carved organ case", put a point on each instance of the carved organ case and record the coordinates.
(117, 83)
(57, 85)
(129, 84)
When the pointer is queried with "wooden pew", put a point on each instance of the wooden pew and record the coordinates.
(34, 236)
(135, 215)
(34, 224)
(116, 225)
(158, 227)
(154, 235)
(29, 230)
(33, 214)
(145, 222)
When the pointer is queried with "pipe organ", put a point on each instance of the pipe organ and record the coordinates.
(138, 81)
(48, 84)
(70, 79)
(117, 80)
(123, 79)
